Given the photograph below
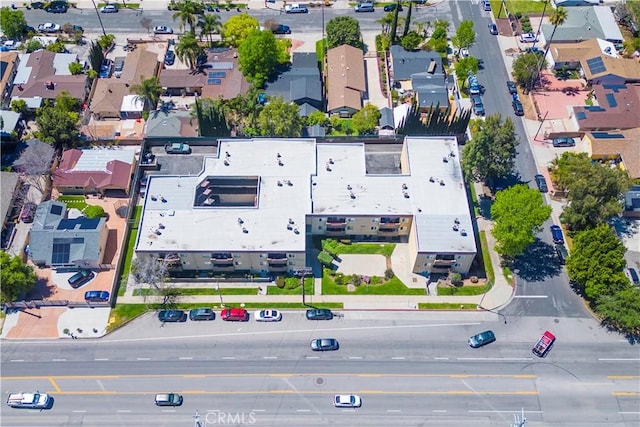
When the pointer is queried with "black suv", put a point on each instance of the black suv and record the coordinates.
(80, 278)
(517, 107)
(319, 314)
(541, 183)
(172, 316)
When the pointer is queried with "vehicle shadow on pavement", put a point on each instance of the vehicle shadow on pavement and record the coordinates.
(538, 262)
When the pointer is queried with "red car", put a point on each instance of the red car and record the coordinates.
(544, 344)
(235, 314)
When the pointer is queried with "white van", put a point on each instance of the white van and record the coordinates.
(118, 65)
(296, 8)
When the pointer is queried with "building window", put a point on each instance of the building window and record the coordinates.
(349, 227)
(319, 219)
(320, 228)
(238, 263)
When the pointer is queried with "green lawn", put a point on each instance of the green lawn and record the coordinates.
(292, 287)
(463, 290)
(361, 248)
(486, 258)
(77, 202)
(474, 197)
(130, 244)
(391, 287)
(524, 7)
(446, 306)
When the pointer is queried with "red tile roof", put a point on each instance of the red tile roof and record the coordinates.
(116, 175)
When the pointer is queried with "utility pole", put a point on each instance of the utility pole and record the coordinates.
(219, 293)
(99, 17)
(302, 272)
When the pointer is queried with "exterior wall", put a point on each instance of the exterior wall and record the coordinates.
(434, 263)
(359, 226)
(11, 73)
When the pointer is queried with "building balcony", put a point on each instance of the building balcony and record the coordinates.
(443, 263)
(388, 230)
(221, 259)
(335, 231)
(226, 266)
(389, 221)
(276, 261)
(277, 267)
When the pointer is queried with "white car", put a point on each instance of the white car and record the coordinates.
(347, 401)
(49, 27)
(528, 38)
(268, 316)
(161, 29)
(110, 8)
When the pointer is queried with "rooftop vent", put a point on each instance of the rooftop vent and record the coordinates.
(240, 221)
(353, 196)
(404, 186)
(349, 187)
(161, 226)
(445, 159)
(457, 221)
(278, 155)
(289, 227)
(291, 221)
(455, 227)
(328, 167)
(244, 230)
(163, 200)
(289, 183)
(463, 232)
(406, 195)
(226, 163)
(295, 230)
(279, 183)
(452, 154)
(432, 179)
(226, 153)
(154, 198)
(280, 162)
(442, 182)
(330, 161)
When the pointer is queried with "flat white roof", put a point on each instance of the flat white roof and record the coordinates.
(96, 159)
(131, 103)
(299, 177)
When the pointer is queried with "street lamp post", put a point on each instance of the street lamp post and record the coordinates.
(302, 272)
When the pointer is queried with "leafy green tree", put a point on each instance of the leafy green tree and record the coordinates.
(280, 119)
(465, 35)
(465, 66)
(525, 69)
(17, 278)
(407, 22)
(411, 41)
(64, 101)
(438, 40)
(366, 120)
(242, 113)
(58, 121)
(621, 309)
(386, 21)
(187, 13)
(343, 30)
(518, 212)
(259, 55)
(96, 56)
(148, 91)
(238, 27)
(317, 118)
(394, 25)
(492, 151)
(19, 106)
(596, 263)
(12, 22)
(75, 68)
(94, 211)
(32, 45)
(105, 41)
(211, 117)
(57, 47)
(188, 49)
(209, 24)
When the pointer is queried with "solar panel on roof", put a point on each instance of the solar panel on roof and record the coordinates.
(611, 99)
(214, 82)
(221, 65)
(614, 87)
(605, 135)
(596, 65)
(581, 115)
(594, 108)
(217, 74)
(56, 209)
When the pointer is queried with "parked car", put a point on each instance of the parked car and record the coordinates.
(528, 38)
(296, 8)
(168, 399)
(161, 29)
(281, 29)
(109, 8)
(106, 68)
(80, 278)
(324, 344)
(57, 8)
(517, 107)
(169, 57)
(172, 316)
(633, 275)
(177, 148)
(556, 234)
(33, 400)
(544, 344)
(478, 106)
(96, 296)
(511, 87)
(319, 314)
(235, 315)
(474, 85)
(391, 7)
(37, 5)
(364, 7)
(27, 212)
(347, 401)
(202, 314)
(118, 66)
(486, 5)
(561, 253)
(493, 29)
(268, 316)
(563, 142)
(49, 27)
(534, 50)
(483, 338)
(541, 183)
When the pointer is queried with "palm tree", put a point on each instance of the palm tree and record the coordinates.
(188, 49)
(148, 91)
(209, 24)
(386, 21)
(187, 14)
(557, 18)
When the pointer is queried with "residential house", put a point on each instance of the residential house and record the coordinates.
(632, 202)
(622, 147)
(8, 68)
(300, 83)
(605, 70)
(165, 123)
(585, 23)
(97, 170)
(386, 121)
(58, 241)
(45, 75)
(264, 212)
(569, 55)
(10, 124)
(618, 107)
(113, 94)
(9, 182)
(419, 73)
(219, 77)
(345, 80)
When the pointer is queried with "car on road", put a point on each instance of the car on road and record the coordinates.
(268, 316)
(518, 109)
(235, 315)
(169, 57)
(544, 344)
(37, 5)
(561, 253)
(563, 142)
(168, 399)
(324, 344)
(96, 296)
(177, 148)
(109, 8)
(57, 8)
(172, 316)
(281, 29)
(33, 400)
(478, 106)
(541, 183)
(493, 29)
(49, 27)
(105, 69)
(528, 38)
(633, 275)
(347, 401)
(319, 314)
(511, 87)
(474, 85)
(80, 278)
(161, 29)
(391, 7)
(556, 234)
(202, 314)
(364, 7)
(486, 5)
(296, 8)
(483, 338)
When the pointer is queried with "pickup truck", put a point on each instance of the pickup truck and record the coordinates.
(544, 344)
(177, 148)
(35, 400)
(49, 27)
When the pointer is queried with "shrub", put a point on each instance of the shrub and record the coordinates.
(455, 278)
(339, 279)
(93, 211)
(356, 279)
(280, 282)
(388, 274)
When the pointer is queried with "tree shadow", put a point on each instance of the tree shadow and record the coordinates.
(538, 262)
(41, 290)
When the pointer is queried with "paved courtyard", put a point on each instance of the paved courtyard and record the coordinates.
(366, 265)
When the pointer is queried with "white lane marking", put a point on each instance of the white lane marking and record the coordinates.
(270, 357)
(228, 357)
(258, 410)
(397, 358)
(628, 412)
(100, 360)
(394, 410)
(504, 412)
(531, 296)
(168, 410)
(16, 360)
(303, 410)
(355, 357)
(617, 360)
(441, 358)
(124, 410)
(186, 358)
(58, 360)
(495, 358)
(101, 385)
(440, 411)
(79, 411)
(143, 358)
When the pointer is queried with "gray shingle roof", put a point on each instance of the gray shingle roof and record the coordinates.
(300, 82)
(406, 63)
